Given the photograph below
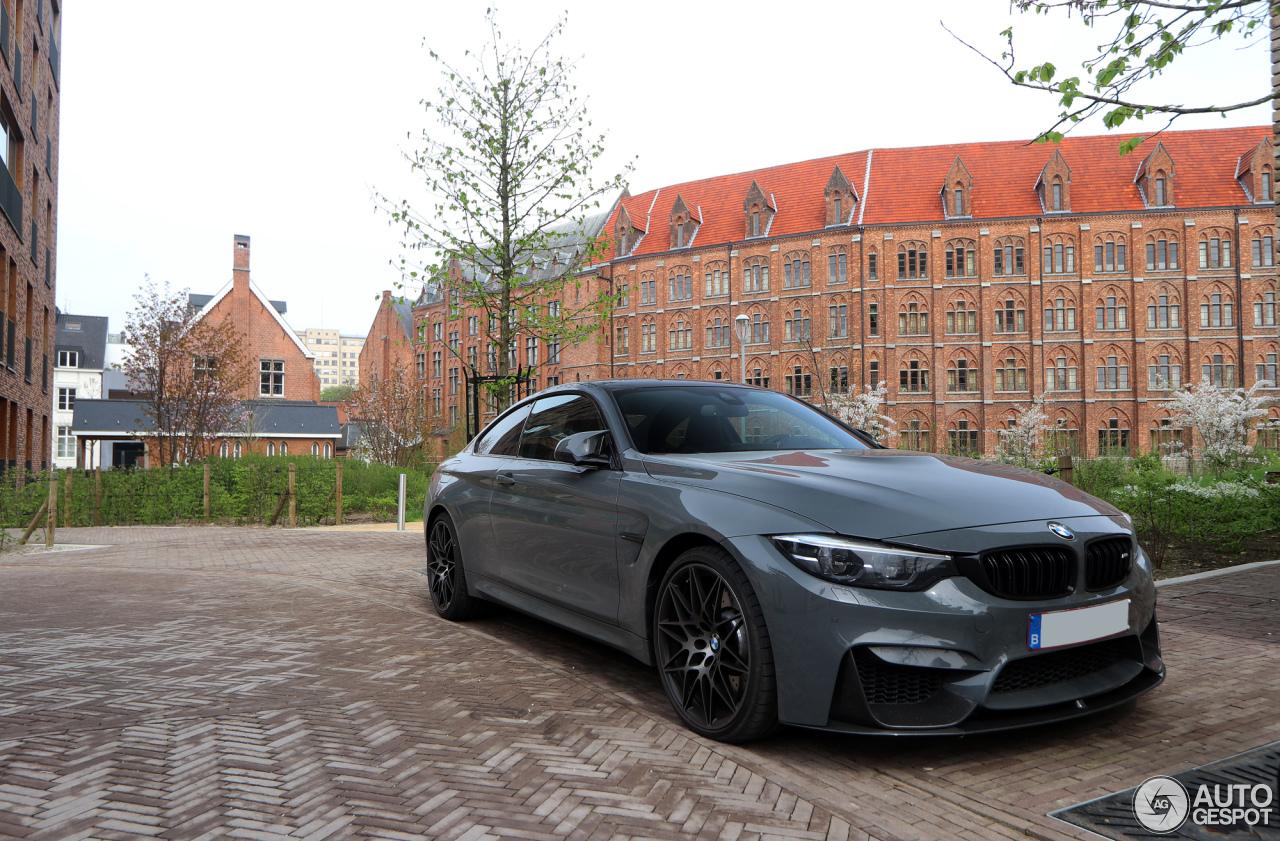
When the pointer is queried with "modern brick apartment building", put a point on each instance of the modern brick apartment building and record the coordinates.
(969, 278)
(285, 365)
(29, 102)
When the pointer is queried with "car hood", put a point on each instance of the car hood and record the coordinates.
(882, 494)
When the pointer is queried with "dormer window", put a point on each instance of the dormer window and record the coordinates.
(679, 235)
(1159, 191)
(757, 211)
(1053, 186)
(839, 213)
(1265, 193)
(836, 191)
(958, 194)
(684, 224)
(1156, 178)
(1057, 194)
(755, 223)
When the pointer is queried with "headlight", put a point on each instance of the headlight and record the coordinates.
(864, 564)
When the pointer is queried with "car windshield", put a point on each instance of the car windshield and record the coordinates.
(694, 419)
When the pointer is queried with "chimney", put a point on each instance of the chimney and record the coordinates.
(240, 261)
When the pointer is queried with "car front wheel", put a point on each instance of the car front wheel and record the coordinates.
(712, 648)
(445, 574)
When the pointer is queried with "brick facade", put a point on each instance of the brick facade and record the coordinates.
(29, 101)
(971, 277)
(286, 367)
(391, 343)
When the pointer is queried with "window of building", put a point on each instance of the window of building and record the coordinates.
(68, 359)
(795, 271)
(622, 340)
(1218, 371)
(680, 286)
(454, 341)
(1265, 193)
(420, 364)
(271, 377)
(1267, 370)
(962, 376)
(437, 363)
(873, 319)
(680, 336)
(837, 266)
(1215, 252)
(873, 373)
(1007, 258)
(1113, 440)
(1166, 439)
(957, 208)
(961, 259)
(795, 327)
(453, 380)
(759, 330)
(756, 378)
(649, 338)
(1264, 252)
(315, 448)
(913, 377)
(1011, 376)
(717, 282)
(1060, 315)
(1160, 202)
(1011, 318)
(1060, 258)
(624, 297)
(963, 436)
(328, 450)
(1216, 312)
(914, 436)
(1112, 313)
(1108, 255)
(1113, 374)
(873, 272)
(1164, 313)
(755, 276)
(530, 352)
(962, 317)
(1057, 195)
(1162, 254)
(1061, 376)
(1165, 374)
(838, 320)
(473, 325)
(271, 448)
(1264, 310)
(839, 379)
(912, 321)
(913, 261)
(799, 383)
(648, 291)
(66, 442)
(66, 399)
(718, 333)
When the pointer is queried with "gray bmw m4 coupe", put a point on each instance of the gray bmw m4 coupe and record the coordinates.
(779, 567)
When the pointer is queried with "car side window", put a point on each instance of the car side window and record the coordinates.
(557, 417)
(503, 438)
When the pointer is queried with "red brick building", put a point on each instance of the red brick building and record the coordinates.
(970, 278)
(392, 343)
(285, 368)
(29, 103)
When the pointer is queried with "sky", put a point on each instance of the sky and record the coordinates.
(183, 124)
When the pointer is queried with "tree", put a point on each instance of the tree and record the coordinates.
(337, 394)
(396, 424)
(1223, 417)
(1023, 442)
(862, 411)
(508, 169)
(1149, 35)
(190, 373)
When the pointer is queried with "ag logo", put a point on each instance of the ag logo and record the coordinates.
(1161, 804)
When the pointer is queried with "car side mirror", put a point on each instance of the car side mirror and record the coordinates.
(584, 449)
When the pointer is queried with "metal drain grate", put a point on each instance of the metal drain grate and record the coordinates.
(1113, 817)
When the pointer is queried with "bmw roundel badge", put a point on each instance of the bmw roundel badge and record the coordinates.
(1061, 531)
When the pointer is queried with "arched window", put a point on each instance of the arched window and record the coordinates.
(799, 380)
(1161, 194)
(873, 264)
(1163, 310)
(648, 335)
(271, 448)
(963, 438)
(837, 318)
(1108, 253)
(913, 261)
(1061, 372)
(1164, 373)
(1266, 367)
(1215, 249)
(758, 373)
(796, 326)
(1218, 367)
(962, 317)
(1111, 312)
(837, 265)
(795, 270)
(1264, 248)
(839, 373)
(1113, 437)
(913, 317)
(758, 332)
(328, 450)
(1066, 434)
(680, 284)
(284, 448)
(1059, 254)
(1007, 257)
(223, 449)
(680, 333)
(755, 275)
(1060, 311)
(1056, 203)
(914, 434)
(961, 258)
(913, 375)
(1011, 316)
(1216, 308)
(1011, 372)
(237, 450)
(1264, 308)
(315, 448)
(717, 278)
(1162, 251)
(1113, 370)
(719, 329)
(962, 374)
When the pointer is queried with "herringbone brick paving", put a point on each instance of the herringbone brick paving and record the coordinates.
(246, 683)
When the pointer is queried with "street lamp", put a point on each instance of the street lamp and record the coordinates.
(743, 324)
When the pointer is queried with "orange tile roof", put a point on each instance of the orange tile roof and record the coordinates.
(904, 185)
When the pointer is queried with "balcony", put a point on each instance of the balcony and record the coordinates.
(10, 199)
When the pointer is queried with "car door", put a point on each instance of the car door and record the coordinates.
(474, 470)
(554, 524)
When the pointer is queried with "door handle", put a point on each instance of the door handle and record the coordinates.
(505, 479)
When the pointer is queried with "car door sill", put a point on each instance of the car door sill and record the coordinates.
(611, 635)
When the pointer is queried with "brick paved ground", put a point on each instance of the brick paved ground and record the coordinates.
(210, 683)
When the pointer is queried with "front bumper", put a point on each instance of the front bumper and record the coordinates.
(950, 659)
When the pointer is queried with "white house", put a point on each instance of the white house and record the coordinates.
(79, 358)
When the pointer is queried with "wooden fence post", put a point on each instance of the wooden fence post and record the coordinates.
(1065, 471)
(66, 500)
(97, 495)
(293, 497)
(51, 513)
(338, 487)
(206, 492)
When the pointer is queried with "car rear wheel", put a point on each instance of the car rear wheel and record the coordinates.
(712, 648)
(445, 575)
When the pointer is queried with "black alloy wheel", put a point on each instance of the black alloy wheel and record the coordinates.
(713, 649)
(444, 572)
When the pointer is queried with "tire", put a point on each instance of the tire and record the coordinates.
(712, 648)
(445, 576)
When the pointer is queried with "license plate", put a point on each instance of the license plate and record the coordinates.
(1082, 624)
